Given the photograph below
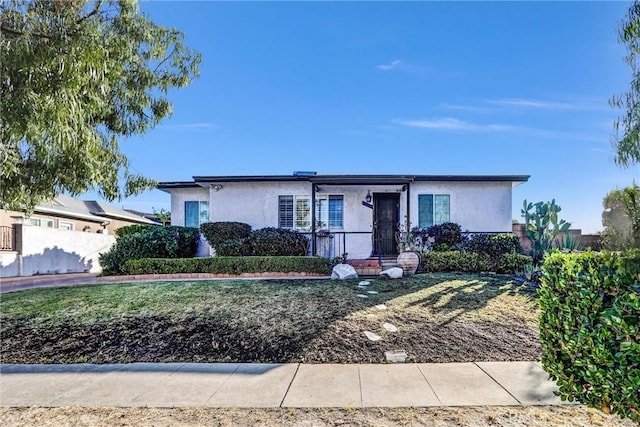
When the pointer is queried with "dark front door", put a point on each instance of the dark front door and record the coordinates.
(386, 208)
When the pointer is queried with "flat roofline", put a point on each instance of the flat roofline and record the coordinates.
(202, 181)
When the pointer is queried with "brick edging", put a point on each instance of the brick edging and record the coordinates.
(178, 276)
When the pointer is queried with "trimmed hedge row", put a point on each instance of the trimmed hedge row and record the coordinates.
(455, 261)
(145, 241)
(228, 265)
(473, 262)
(590, 328)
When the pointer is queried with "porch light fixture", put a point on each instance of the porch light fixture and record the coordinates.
(368, 197)
(216, 187)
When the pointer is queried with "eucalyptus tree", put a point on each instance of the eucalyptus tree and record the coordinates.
(76, 77)
(626, 137)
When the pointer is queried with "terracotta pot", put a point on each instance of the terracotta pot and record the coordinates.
(409, 262)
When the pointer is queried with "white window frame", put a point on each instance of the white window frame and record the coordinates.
(201, 219)
(322, 218)
(39, 222)
(62, 225)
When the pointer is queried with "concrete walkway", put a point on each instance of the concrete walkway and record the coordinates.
(276, 385)
(12, 284)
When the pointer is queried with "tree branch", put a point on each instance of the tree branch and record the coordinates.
(93, 12)
(7, 30)
(164, 60)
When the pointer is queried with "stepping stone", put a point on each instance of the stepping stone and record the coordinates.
(372, 336)
(389, 327)
(372, 292)
(362, 296)
(395, 356)
(364, 283)
(381, 307)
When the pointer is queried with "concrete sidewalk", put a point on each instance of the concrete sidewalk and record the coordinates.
(276, 385)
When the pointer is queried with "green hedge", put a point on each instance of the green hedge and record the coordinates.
(149, 242)
(590, 328)
(228, 265)
(271, 241)
(513, 263)
(455, 261)
(473, 262)
(217, 233)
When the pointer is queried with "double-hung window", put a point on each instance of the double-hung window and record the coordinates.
(195, 213)
(433, 209)
(294, 212)
(41, 222)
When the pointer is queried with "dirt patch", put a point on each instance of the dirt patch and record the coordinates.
(158, 417)
(211, 339)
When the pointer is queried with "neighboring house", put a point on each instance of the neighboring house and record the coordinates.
(68, 213)
(354, 214)
(63, 236)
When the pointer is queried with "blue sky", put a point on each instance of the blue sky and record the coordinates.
(397, 87)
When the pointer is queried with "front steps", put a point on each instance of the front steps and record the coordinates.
(372, 266)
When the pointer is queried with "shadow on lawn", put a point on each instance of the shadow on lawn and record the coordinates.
(455, 299)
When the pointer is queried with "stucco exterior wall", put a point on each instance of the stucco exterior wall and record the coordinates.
(51, 251)
(476, 206)
(179, 196)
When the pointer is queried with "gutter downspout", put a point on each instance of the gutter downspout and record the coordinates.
(408, 207)
(314, 249)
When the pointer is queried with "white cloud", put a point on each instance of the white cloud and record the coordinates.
(453, 124)
(395, 64)
(469, 108)
(533, 103)
(450, 123)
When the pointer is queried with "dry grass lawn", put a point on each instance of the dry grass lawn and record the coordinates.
(440, 318)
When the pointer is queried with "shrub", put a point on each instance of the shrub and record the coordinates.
(228, 265)
(150, 242)
(271, 241)
(455, 261)
(217, 233)
(589, 328)
(448, 233)
(234, 247)
(494, 245)
(131, 229)
(513, 263)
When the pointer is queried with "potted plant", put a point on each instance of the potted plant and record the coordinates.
(408, 243)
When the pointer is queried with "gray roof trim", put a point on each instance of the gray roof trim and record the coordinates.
(167, 186)
(69, 214)
(252, 178)
(202, 181)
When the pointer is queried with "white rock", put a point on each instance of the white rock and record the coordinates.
(389, 327)
(344, 271)
(362, 296)
(381, 307)
(372, 336)
(396, 356)
(392, 273)
(372, 292)
(364, 283)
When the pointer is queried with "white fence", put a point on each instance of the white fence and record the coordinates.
(51, 251)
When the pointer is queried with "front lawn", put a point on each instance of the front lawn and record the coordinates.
(440, 318)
